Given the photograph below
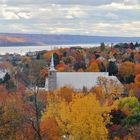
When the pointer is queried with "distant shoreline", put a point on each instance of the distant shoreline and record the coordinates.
(24, 49)
(16, 39)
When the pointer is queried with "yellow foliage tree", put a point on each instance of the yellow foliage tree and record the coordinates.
(81, 119)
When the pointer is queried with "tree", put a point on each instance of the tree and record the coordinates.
(30, 73)
(12, 117)
(126, 69)
(117, 116)
(135, 132)
(131, 120)
(93, 67)
(136, 57)
(55, 53)
(79, 65)
(50, 129)
(65, 93)
(137, 79)
(102, 67)
(110, 87)
(35, 105)
(35, 102)
(10, 85)
(44, 73)
(137, 69)
(129, 105)
(112, 68)
(61, 67)
(81, 119)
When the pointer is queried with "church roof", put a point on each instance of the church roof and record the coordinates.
(78, 80)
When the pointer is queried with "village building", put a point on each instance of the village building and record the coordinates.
(3, 72)
(75, 80)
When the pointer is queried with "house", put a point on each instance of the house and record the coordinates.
(32, 54)
(76, 80)
(3, 72)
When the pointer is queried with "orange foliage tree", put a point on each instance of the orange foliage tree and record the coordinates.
(93, 67)
(137, 69)
(13, 123)
(137, 79)
(61, 67)
(126, 69)
(50, 129)
(44, 73)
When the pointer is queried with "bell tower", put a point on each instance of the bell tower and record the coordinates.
(52, 76)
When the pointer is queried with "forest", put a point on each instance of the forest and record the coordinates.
(105, 112)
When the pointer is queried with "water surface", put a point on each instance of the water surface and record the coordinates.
(24, 49)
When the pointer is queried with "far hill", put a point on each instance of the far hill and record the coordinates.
(16, 39)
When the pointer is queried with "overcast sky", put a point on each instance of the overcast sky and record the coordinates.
(83, 17)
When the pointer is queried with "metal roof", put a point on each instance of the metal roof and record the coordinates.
(78, 80)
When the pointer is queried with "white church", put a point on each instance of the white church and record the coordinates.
(75, 80)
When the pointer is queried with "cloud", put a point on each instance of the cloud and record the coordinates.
(112, 16)
(61, 2)
(24, 15)
(92, 17)
(8, 15)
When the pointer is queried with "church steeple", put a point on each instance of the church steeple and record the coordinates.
(52, 68)
(52, 76)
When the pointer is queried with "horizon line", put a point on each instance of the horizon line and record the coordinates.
(21, 33)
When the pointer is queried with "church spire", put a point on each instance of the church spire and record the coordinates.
(52, 64)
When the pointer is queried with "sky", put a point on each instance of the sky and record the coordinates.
(80, 17)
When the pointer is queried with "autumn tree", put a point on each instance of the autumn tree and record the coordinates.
(109, 88)
(125, 118)
(56, 53)
(35, 101)
(137, 79)
(31, 73)
(126, 71)
(81, 119)
(65, 93)
(137, 69)
(12, 117)
(79, 65)
(61, 67)
(129, 104)
(50, 129)
(93, 67)
(135, 132)
(8, 66)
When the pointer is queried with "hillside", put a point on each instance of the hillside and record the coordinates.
(16, 39)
